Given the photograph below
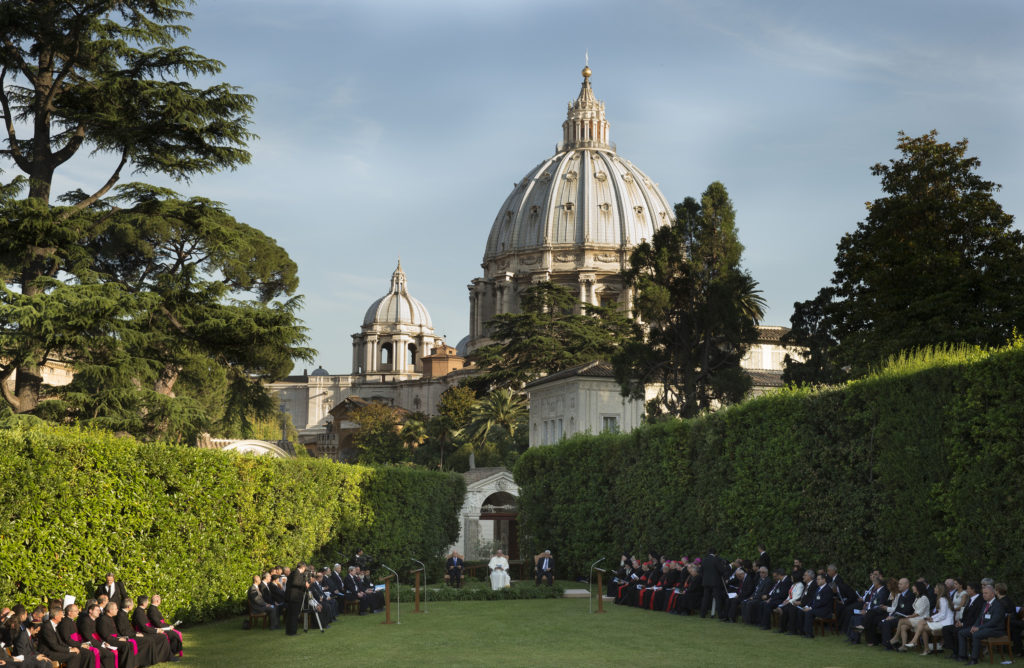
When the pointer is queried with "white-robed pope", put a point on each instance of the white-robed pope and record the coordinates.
(499, 571)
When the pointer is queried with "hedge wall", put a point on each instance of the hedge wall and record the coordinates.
(195, 524)
(916, 470)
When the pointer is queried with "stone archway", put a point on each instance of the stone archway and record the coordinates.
(501, 510)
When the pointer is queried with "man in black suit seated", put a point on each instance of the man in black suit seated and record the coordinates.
(453, 567)
(25, 646)
(746, 583)
(113, 589)
(336, 581)
(776, 595)
(259, 605)
(751, 605)
(1015, 621)
(793, 617)
(970, 615)
(991, 623)
(820, 607)
(56, 649)
(545, 567)
(902, 606)
(329, 607)
(354, 591)
(795, 599)
(872, 606)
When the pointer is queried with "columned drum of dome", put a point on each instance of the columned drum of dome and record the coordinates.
(395, 336)
(573, 220)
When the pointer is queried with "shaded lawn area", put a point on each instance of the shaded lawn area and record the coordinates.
(557, 632)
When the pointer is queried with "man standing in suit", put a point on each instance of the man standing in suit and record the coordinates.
(297, 587)
(454, 567)
(714, 570)
(546, 567)
(113, 589)
(991, 623)
(763, 559)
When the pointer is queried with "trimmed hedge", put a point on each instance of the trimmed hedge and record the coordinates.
(195, 524)
(915, 470)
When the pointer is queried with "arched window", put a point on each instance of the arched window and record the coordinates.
(412, 354)
(385, 355)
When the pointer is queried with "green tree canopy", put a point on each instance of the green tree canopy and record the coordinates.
(552, 331)
(700, 307)
(149, 297)
(935, 261)
(378, 438)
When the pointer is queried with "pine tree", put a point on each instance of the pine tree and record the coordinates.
(131, 285)
(700, 307)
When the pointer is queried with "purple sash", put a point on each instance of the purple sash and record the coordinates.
(96, 636)
(77, 637)
(181, 652)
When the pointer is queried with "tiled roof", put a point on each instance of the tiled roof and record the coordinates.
(476, 475)
(595, 369)
(771, 334)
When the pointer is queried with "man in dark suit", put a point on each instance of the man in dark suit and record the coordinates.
(54, 648)
(821, 607)
(762, 558)
(971, 613)
(991, 623)
(454, 567)
(113, 589)
(259, 605)
(751, 605)
(871, 606)
(792, 621)
(546, 567)
(25, 646)
(336, 581)
(296, 591)
(776, 595)
(714, 570)
(354, 591)
(746, 582)
(902, 606)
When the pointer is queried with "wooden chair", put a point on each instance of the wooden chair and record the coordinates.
(1004, 644)
(352, 606)
(254, 616)
(832, 621)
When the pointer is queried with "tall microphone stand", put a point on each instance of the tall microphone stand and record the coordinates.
(398, 594)
(425, 590)
(590, 582)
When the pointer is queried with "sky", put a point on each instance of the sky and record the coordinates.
(396, 129)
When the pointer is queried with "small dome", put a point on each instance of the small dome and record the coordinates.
(398, 307)
(320, 371)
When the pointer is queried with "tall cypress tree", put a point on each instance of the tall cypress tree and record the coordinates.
(700, 309)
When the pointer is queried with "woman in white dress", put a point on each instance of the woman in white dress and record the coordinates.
(960, 598)
(499, 571)
(909, 624)
(941, 616)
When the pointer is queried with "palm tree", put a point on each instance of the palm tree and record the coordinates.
(503, 408)
(414, 432)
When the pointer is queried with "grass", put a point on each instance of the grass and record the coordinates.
(558, 632)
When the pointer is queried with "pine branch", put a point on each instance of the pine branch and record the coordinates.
(91, 199)
(12, 137)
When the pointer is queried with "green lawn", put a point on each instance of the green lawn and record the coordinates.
(557, 632)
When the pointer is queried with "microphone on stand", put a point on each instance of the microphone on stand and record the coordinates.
(591, 582)
(424, 583)
(398, 594)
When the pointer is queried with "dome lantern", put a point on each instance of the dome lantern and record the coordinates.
(585, 125)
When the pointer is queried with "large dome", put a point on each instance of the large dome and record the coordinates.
(584, 196)
(573, 220)
(398, 307)
(580, 197)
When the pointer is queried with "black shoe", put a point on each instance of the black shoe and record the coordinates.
(972, 662)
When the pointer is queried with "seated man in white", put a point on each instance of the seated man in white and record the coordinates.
(499, 571)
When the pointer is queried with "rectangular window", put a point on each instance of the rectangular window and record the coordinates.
(610, 423)
(559, 435)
